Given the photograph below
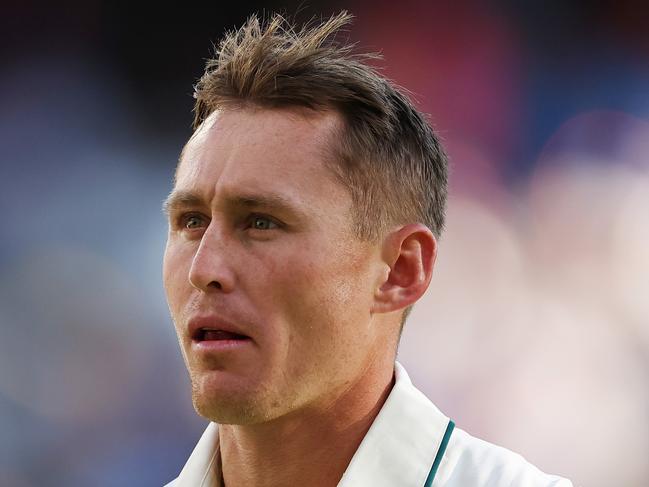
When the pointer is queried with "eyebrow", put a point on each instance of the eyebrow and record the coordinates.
(180, 199)
(183, 199)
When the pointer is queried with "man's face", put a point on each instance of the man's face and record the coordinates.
(261, 244)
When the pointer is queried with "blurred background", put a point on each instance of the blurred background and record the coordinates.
(535, 332)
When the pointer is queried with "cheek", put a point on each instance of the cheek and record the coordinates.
(175, 276)
(319, 297)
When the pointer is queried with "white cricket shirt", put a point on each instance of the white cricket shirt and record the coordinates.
(409, 444)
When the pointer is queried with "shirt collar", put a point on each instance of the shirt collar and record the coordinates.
(401, 445)
(398, 449)
(203, 468)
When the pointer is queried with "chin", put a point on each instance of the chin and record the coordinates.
(230, 406)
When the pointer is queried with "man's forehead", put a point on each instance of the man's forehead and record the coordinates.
(301, 132)
(196, 140)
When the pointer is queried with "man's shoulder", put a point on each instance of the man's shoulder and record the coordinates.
(472, 461)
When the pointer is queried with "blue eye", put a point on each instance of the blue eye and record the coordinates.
(259, 222)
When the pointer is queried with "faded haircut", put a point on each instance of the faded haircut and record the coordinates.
(386, 153)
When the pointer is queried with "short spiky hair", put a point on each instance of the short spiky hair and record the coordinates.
(386, 154)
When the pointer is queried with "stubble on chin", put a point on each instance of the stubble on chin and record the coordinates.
(234, 407)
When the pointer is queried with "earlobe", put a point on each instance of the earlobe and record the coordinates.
(410, 253)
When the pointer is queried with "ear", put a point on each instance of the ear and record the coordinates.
(410, 253)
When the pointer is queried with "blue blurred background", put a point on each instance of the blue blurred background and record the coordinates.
(535, 332)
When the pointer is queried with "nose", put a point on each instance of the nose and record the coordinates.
(211, 268)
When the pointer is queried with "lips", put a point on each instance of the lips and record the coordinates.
(213, 328)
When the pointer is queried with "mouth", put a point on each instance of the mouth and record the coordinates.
(216, 335)
(211, 334)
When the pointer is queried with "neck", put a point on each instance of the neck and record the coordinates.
(312, 446)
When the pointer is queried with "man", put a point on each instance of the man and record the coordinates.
(303, 225)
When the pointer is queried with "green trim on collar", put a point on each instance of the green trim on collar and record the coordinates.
(440, 454)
